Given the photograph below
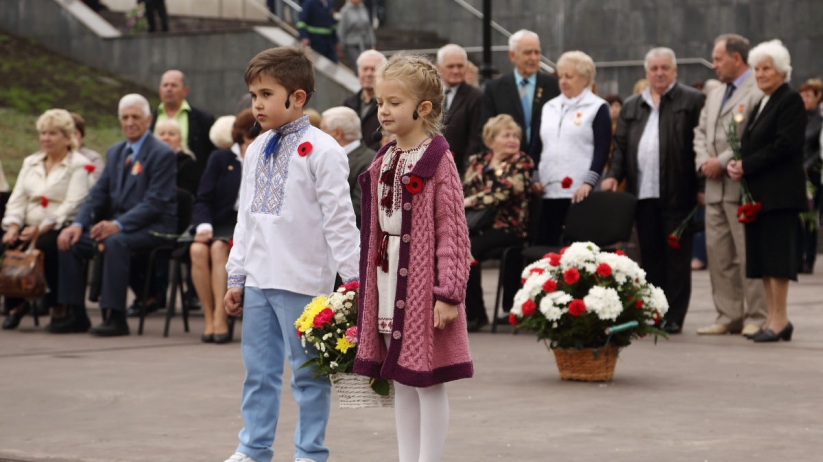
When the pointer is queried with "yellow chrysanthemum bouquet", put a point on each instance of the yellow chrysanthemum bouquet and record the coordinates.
(329, 324)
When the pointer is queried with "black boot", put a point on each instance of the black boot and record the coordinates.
(76, 321)
(15, 315)
(114, 325)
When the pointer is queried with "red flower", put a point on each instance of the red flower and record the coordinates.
(674, 241)
(473, 263)
(299, 334)
(747, 213)
(522, 281)
(44, 201)
(638, 304)
(577, 307)
(571, 276)
(89, 168)
(324, 317)
(415, 184)
(536, 270)
(512, 319)
(231, 243)
(304, 149)
(566, 183)
(563, 250)
(604, 270)
(528, 307)
(620, 252)
(549, 286)
(554, 259)
(354, 285)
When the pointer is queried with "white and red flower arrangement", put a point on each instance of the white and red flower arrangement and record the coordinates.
(329, 324)
(571, 299)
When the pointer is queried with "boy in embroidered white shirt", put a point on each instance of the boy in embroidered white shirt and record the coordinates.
(295, 230)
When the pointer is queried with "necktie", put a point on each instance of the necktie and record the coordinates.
(527, 113)
(446, 99)
(729, 91)
(129, 156)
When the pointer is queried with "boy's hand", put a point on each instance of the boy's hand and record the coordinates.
(234, 301)
(444, 314)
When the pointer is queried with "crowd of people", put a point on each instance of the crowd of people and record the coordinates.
(505, 165)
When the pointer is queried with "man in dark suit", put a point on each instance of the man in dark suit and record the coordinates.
(137, 187)
(343, 124)
(461, 107)
(654, 151)
(522, 93)
(363, 101)
(194, 123)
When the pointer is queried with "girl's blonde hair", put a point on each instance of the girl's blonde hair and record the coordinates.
(422, 81)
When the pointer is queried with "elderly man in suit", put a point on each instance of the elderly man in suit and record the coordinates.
(137, 188)
(343, 124)
(522, 93)
(194, 123)
(363, 101)
(740, 302)
(461, 107)
(654, 151)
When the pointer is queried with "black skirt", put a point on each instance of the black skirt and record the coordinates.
(225, 230)
(771, 245)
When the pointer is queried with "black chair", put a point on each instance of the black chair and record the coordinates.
(185, 204)
(506, 255)
(604, 218)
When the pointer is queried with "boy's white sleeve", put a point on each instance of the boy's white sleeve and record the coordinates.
(331, 169)
(235, 266)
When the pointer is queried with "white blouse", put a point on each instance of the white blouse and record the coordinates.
(52, 198)
(4, 185)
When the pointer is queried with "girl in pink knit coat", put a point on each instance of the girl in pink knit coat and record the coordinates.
(414, 260)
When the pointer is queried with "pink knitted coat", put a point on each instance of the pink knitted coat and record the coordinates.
(434, 265)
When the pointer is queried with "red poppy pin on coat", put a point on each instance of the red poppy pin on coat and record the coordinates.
(414, 184)
(304, 149)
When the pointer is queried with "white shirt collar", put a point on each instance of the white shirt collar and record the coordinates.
(235, 148)
(351, 147)
(647, 94)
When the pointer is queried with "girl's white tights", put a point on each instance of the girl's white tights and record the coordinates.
(422, 416)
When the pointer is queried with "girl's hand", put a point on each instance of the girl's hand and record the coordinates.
(27, 233)
(581, 193)
(444, 314)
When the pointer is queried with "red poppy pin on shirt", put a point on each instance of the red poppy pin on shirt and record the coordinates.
(44, 201)
(304, 149)
(414, 185)
(89, 168)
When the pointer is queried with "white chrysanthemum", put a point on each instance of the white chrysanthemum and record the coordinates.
(336, 300)
(657, 300)
(519, 299)
(333, 365)
(603, 301)
(560, 299)
(350, 295)
(549, 310)
(541, 264)
(580, 255)
(534, 285)
(339, 317)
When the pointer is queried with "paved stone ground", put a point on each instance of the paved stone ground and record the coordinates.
(139, 399)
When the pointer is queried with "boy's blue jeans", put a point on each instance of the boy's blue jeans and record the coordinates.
(268, 335)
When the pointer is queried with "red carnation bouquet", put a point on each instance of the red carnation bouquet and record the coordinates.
(674, 237)
(748, 208)
(576, 298)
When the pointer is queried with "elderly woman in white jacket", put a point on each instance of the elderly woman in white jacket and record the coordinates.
(49, 190)
(575, 135)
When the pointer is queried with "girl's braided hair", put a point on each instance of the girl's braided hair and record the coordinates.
(422, 81)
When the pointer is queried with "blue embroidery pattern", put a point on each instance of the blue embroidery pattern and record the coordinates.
(236, 281)
(272, 170)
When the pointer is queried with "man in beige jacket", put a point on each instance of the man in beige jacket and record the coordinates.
(740, 302)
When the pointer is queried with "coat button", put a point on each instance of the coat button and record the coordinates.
(406, 238)
(397, 334)
(403, 272)
(400, 304)
(405, 180)
(407, 206)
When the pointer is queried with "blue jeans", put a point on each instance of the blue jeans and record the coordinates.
(268, 334)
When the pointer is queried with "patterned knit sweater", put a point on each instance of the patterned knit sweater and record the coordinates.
(434, 265)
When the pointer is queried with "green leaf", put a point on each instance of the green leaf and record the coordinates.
(380, 386)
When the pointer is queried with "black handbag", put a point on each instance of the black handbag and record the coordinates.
(480, 219)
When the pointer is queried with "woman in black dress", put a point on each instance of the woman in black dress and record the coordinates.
(772, 166)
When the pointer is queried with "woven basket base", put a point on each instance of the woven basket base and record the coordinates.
(354, 392)
(582, 365)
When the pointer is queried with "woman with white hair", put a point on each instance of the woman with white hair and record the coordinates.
(50, 188)
(168, 131)
(771, 165)
(575, 137)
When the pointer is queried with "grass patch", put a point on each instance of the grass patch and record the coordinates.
(34, 79)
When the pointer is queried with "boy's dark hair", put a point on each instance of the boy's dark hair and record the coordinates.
(291, 67)
(242, 124)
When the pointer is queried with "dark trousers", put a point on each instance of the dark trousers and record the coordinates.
(666, 267)
(158, 6)
(117, 258)
(482, 245)
(324, 44)
(552, 217)
(46, 243)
